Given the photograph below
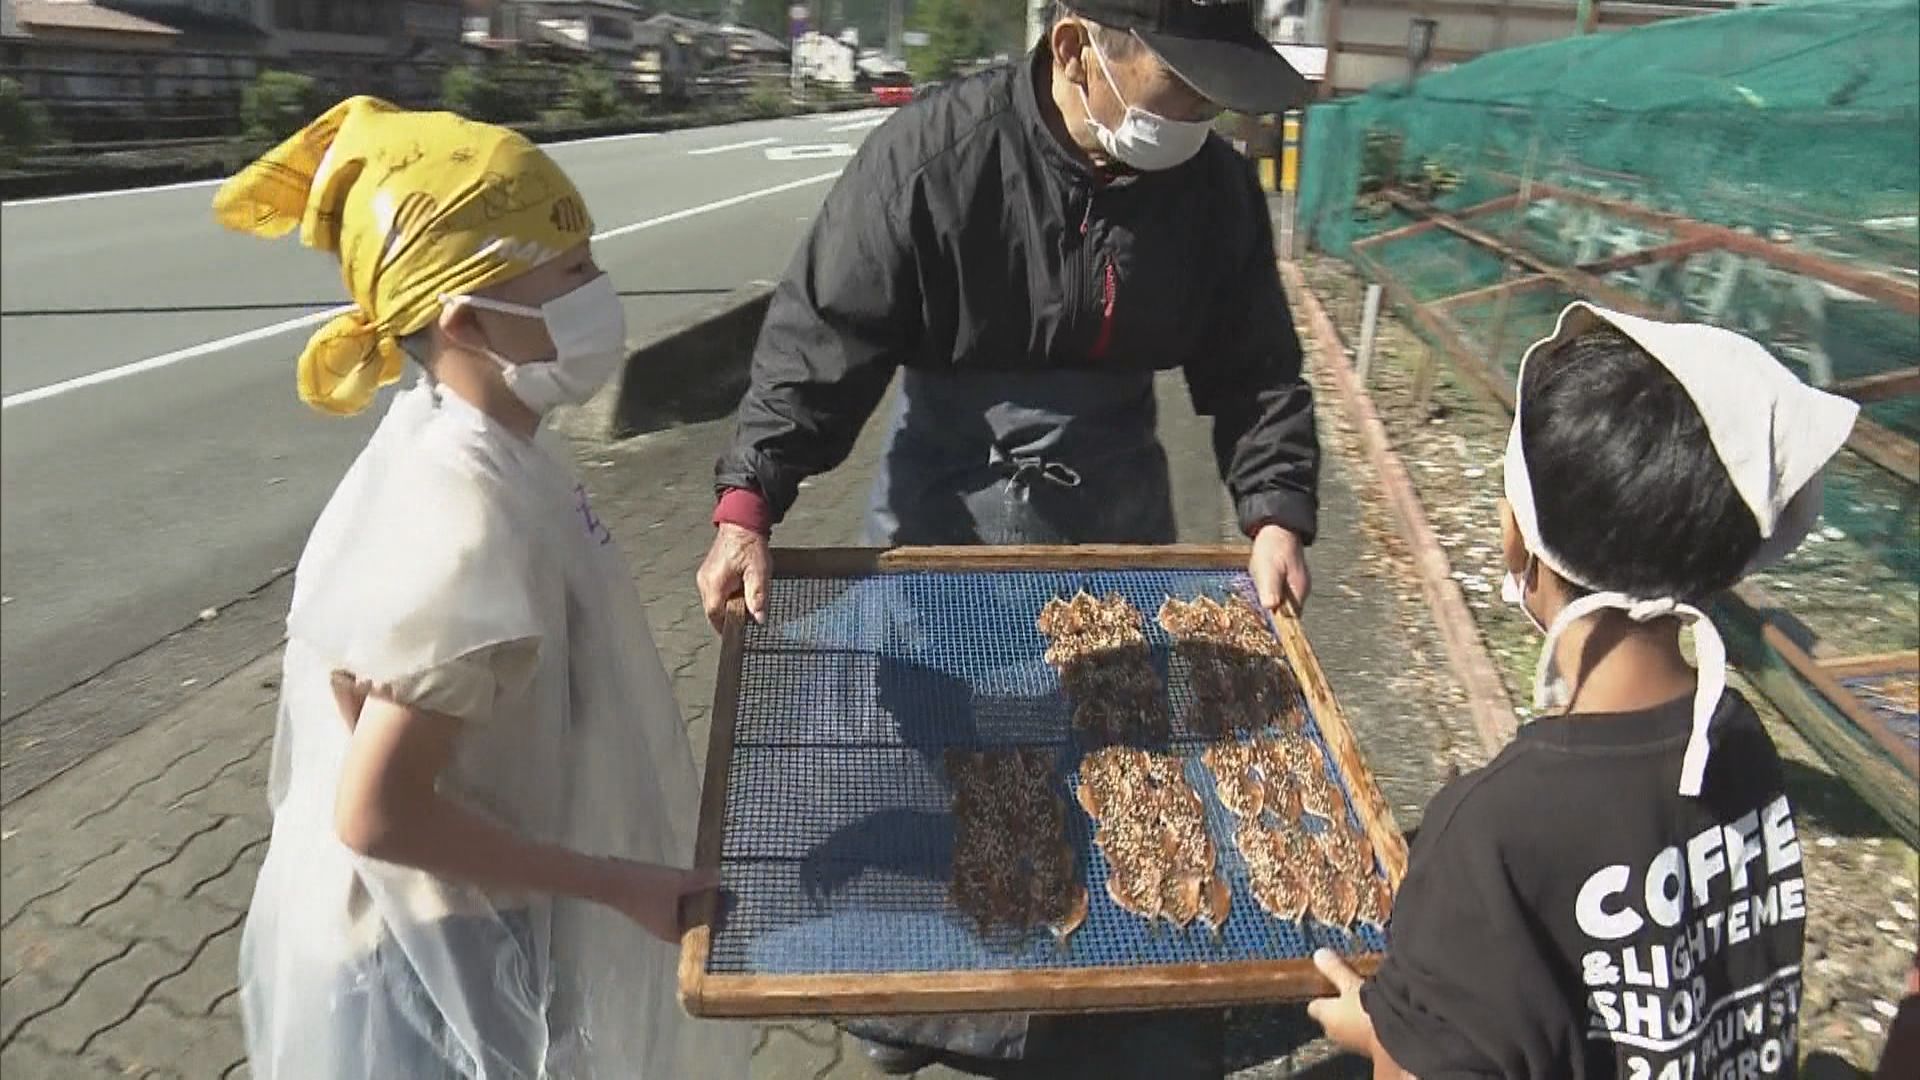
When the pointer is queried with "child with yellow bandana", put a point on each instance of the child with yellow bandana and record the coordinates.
(481, 782)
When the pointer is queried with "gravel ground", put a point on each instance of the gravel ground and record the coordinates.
(1861, 878)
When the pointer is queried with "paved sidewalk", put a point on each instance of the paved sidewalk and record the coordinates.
(124, 881)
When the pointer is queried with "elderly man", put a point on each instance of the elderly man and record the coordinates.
(1029, 246)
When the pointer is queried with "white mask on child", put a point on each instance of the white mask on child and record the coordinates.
(1773, 433)
(589, 330)
(1513, 589)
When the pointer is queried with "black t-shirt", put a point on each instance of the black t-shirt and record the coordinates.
(1567, 913)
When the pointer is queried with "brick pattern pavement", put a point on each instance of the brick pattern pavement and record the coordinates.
(124, 881)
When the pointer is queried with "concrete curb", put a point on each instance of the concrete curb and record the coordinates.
(693, 370)
(1492, 709)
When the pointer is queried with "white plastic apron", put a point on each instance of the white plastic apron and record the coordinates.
(450, 538)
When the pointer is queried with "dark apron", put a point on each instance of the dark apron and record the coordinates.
(1052, 457)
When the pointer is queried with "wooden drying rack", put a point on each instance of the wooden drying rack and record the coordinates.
(1059, 990)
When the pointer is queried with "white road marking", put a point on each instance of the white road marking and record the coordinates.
(84, 195)
(857, 114)
(155, 363)
(748, 145)
(630, 136)
(682, 215)
(859, 125)
(809, 153)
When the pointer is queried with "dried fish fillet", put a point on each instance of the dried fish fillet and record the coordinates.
(1100, 649)
(1376, 903)
(1012, 866)
(1151, 829)
(1236, 667)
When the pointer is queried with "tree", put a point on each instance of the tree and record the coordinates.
(960, 32)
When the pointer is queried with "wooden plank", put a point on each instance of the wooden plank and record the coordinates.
(696, 942)
(1890, 450)
(1854, 667)
(1487, 700)
(1491, 206)
(1841, 698)
(1576, 282)
(1489, 292)
(1893, 452)
(1882, 784)
(1054, 990)
(853, 562)
(1389, 843)
(1882, 387)
(1440, 327)
(1883, 288)
(1668, 252)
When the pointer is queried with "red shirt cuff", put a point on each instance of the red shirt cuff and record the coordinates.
(747, 509)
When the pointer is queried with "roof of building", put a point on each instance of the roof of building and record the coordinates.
(184, 18)
(683, 24)
(1309, 60)
(608, 5)
(84, 15)
(754, 40)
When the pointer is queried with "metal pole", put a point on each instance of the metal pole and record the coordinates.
(1583, 18)
(1289, 180)
(1369, 322)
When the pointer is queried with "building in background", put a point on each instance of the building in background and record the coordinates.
(1368, 41)
(664, 66)
(603, 28)
(747, 45)
(830, 60)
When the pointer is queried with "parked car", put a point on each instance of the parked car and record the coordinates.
(892, 91)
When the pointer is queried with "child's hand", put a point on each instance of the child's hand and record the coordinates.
(1343, 1018)
(654, 896)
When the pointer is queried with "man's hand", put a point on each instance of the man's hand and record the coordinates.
(1279, 568)
(738, 562)
(1345, 1019)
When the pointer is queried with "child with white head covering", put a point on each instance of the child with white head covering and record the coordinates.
(1619, 892)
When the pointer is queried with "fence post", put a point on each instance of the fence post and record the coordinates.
(1289, 180)
(1369, 323)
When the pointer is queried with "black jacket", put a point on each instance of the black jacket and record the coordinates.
(964, 236)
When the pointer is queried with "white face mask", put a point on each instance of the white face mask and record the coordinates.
(1513, 589)
(589, 331)
(1144, 140)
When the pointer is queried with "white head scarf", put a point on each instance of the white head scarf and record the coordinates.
(1773, 433)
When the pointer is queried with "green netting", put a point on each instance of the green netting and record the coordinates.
(1797, 122)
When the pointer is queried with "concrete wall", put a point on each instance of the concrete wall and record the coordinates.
(694, 370)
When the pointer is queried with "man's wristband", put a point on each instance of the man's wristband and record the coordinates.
(744, 508)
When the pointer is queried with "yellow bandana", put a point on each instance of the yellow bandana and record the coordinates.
(417, 206)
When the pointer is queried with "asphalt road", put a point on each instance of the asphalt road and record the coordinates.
(154, 460)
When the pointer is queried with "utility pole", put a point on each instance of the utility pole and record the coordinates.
(1036, 21)
(896, 29)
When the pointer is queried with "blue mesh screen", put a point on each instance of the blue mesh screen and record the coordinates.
(838, 837)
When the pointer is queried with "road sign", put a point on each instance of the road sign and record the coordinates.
(916, 39)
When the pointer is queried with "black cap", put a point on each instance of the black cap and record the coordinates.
(1212, 44)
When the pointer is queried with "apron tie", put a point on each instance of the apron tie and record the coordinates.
(1021, 471)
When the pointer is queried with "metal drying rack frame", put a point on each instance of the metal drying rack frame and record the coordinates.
(1061, 990)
